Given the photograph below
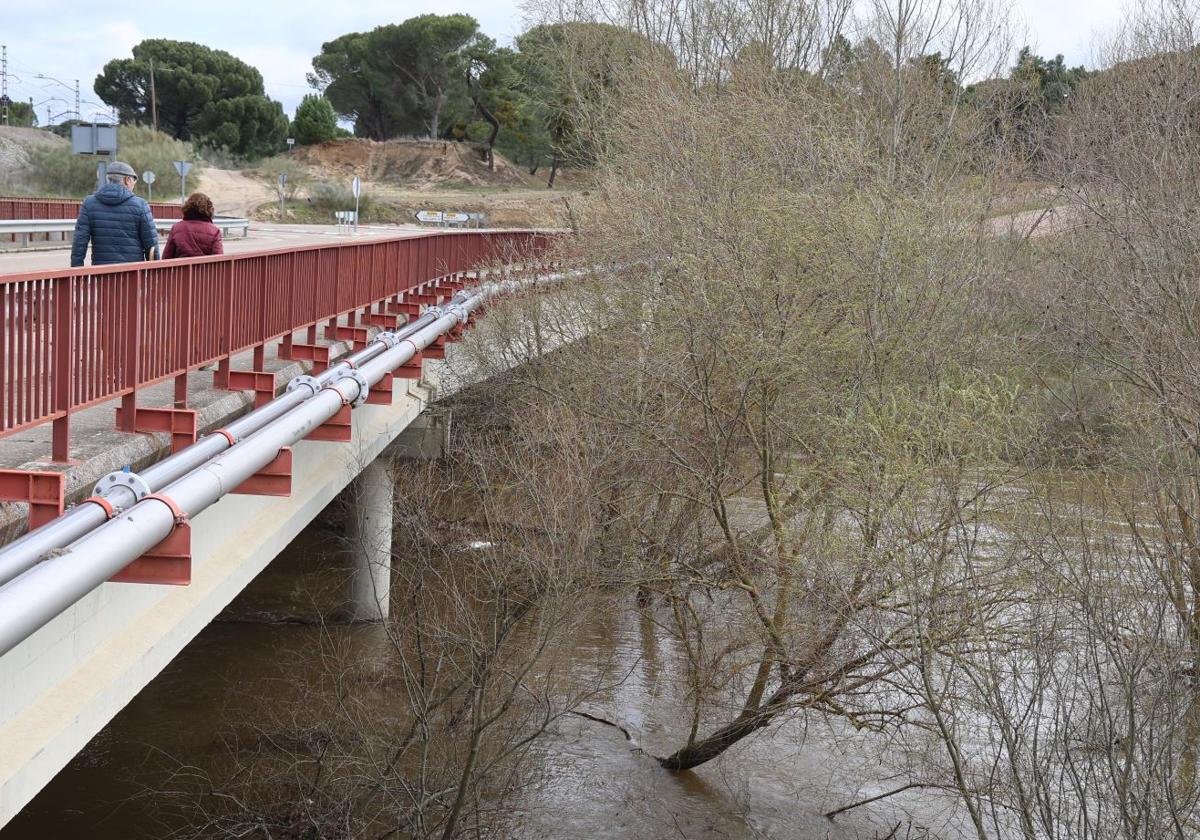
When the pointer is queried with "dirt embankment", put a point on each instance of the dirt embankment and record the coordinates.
(411, 164)
(15, 146)
(401, 177)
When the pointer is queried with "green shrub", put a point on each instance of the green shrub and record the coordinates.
(55, 171)
(315, 121)
(297, 175)
(326, 198)
(225, 159)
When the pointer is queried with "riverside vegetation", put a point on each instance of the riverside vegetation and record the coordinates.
(862, 457)
(827, 418)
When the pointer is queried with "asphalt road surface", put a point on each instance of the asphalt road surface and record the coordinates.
(263, 237)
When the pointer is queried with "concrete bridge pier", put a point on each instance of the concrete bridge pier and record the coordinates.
(369, 535)
(369, 517)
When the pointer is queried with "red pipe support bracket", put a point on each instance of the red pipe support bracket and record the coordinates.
(358, 335)
(42, 491)
(170, 562)
(262, 383)
(179, 423)
(337, 429)
(318, 354)
(381, 392)
(436, 350)
(387, 321)
(275, 479)
(410, 369)
(406, 308)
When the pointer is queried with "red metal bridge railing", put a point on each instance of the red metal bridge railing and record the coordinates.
(16, 208)
(73, 338)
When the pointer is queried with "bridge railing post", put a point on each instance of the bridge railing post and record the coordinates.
(64, 369)
(131, 327)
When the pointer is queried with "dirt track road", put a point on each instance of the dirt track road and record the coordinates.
(233, 193)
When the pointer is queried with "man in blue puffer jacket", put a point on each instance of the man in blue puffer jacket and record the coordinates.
(118, 223)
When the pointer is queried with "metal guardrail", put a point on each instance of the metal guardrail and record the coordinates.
(22, 231)
(15, 207)
(73, 338)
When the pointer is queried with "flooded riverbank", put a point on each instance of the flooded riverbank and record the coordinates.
(256, 672)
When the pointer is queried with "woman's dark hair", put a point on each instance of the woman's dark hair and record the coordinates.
(198, 207)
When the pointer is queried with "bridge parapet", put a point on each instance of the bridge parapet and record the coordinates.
(22, 207)
(74, 338)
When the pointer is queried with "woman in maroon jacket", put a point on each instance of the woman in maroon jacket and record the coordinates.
(196, 235)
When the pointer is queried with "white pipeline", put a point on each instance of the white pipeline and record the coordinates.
(39, 594)
(24, 553)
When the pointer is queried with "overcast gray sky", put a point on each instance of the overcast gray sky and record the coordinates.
(70, 39)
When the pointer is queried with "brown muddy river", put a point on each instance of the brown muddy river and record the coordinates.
(584, 779)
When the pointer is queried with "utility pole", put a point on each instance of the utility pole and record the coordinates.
(77, 111)
(153, 97)
(4, 81)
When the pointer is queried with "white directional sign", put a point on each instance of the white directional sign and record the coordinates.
(453, 217)
(356, 186)
(434, 216)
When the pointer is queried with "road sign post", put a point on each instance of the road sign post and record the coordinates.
(183, 168)
(282, 188)
(356, 188)
(149, 177)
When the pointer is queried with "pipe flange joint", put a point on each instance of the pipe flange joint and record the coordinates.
(435, 311)
(131, 481)
(459, 311)
(388, 339)
(363, 387)
(304, 381)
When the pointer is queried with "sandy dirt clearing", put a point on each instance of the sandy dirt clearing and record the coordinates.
(233, 193)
